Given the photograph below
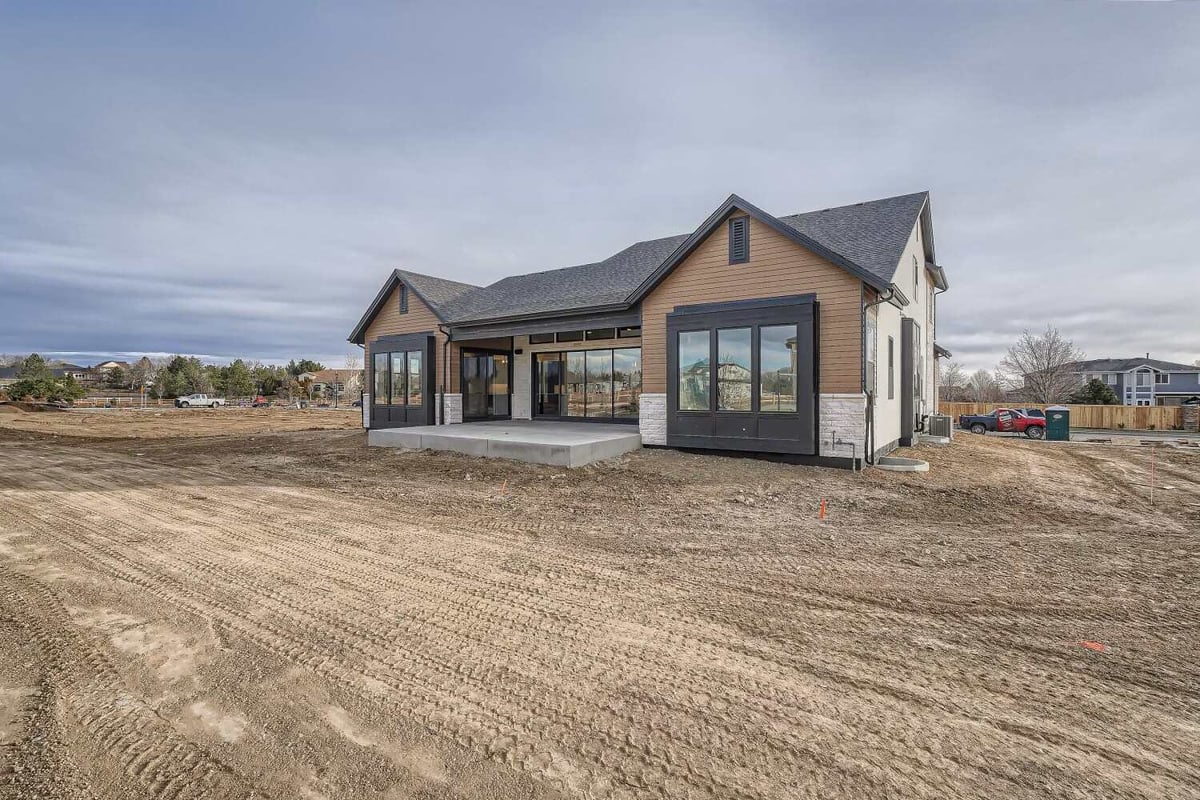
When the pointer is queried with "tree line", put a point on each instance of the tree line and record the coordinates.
(175, 376)
(1038, 368)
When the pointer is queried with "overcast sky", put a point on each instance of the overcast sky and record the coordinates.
(238, 179)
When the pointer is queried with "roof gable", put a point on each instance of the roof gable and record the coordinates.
(436, 293)
(735, 203)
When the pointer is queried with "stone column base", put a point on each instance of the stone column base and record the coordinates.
(453, 408)
(652, 418)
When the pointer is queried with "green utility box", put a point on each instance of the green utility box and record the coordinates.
(1058, 424)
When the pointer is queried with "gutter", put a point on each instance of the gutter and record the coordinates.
(445, 373)
(869, 439)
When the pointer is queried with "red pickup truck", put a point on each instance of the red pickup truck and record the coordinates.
(1004, 420)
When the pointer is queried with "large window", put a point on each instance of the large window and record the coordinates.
(747, 379)
(398, 378)
(777, 368)
(733, 369)
(695, 355)
(591, 384)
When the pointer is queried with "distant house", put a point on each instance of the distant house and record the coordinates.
(97, 374)
(1143, 381)
(59, 369)
(343, 382)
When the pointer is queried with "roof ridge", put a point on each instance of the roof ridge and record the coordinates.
(924, 192)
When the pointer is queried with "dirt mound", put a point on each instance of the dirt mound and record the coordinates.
(8, 408)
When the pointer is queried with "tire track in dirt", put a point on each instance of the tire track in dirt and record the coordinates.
(84, 682)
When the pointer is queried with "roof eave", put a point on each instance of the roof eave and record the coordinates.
(535, 316)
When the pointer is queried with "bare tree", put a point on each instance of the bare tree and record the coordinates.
(1045, 365)
(984, 388)
(354, 383)
(952, 386)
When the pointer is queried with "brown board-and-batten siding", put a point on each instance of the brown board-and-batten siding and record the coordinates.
(419, 319)
(777, 267)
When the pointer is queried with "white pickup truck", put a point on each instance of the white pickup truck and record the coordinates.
(200, 400)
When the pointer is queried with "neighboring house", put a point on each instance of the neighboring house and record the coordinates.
(822, 325)
(343, 382)
(1143, 381)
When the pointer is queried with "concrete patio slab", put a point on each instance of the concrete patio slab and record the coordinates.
(562, 444)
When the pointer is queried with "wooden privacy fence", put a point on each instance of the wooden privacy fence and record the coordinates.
(1134, 418)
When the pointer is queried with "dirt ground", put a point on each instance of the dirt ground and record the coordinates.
(291, 615)
(159, 423)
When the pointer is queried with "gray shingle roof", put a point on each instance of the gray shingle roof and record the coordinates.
(1124, 364)
(872, 234)
(586, 286)
(438, 292)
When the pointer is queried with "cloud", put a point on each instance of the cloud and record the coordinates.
(239, 180)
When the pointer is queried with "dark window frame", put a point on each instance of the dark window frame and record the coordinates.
(599, 334)
(630, 332)
(541, 338)
(403, 299)
(794, 432)
(568, 336)
(742, 255)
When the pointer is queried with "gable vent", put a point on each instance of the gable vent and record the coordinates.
(739, 240)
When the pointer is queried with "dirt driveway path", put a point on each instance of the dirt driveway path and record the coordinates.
(293, 616)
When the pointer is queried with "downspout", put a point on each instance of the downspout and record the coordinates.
(869, 442)
(445, 373)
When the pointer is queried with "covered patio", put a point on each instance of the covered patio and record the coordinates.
(562, 444)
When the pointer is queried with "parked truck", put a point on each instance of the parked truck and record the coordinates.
(1004, 420)
(199, 401)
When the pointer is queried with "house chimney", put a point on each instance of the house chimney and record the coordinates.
(1147, 355)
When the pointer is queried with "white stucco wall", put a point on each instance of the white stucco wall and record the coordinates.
(922, 309)
(887, 410)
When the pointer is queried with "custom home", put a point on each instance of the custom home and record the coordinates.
(810, 335)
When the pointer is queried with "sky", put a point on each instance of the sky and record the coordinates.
(238, 179)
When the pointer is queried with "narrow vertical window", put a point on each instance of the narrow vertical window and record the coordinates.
(381, 379)
(739, 240)
(403, 299)
(398, 397)
(777, 368)
(891, 368)
(414, 377)
(733, 369)
(695, 354)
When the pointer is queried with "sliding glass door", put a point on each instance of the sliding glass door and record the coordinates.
(485, 385)
(596, 384)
